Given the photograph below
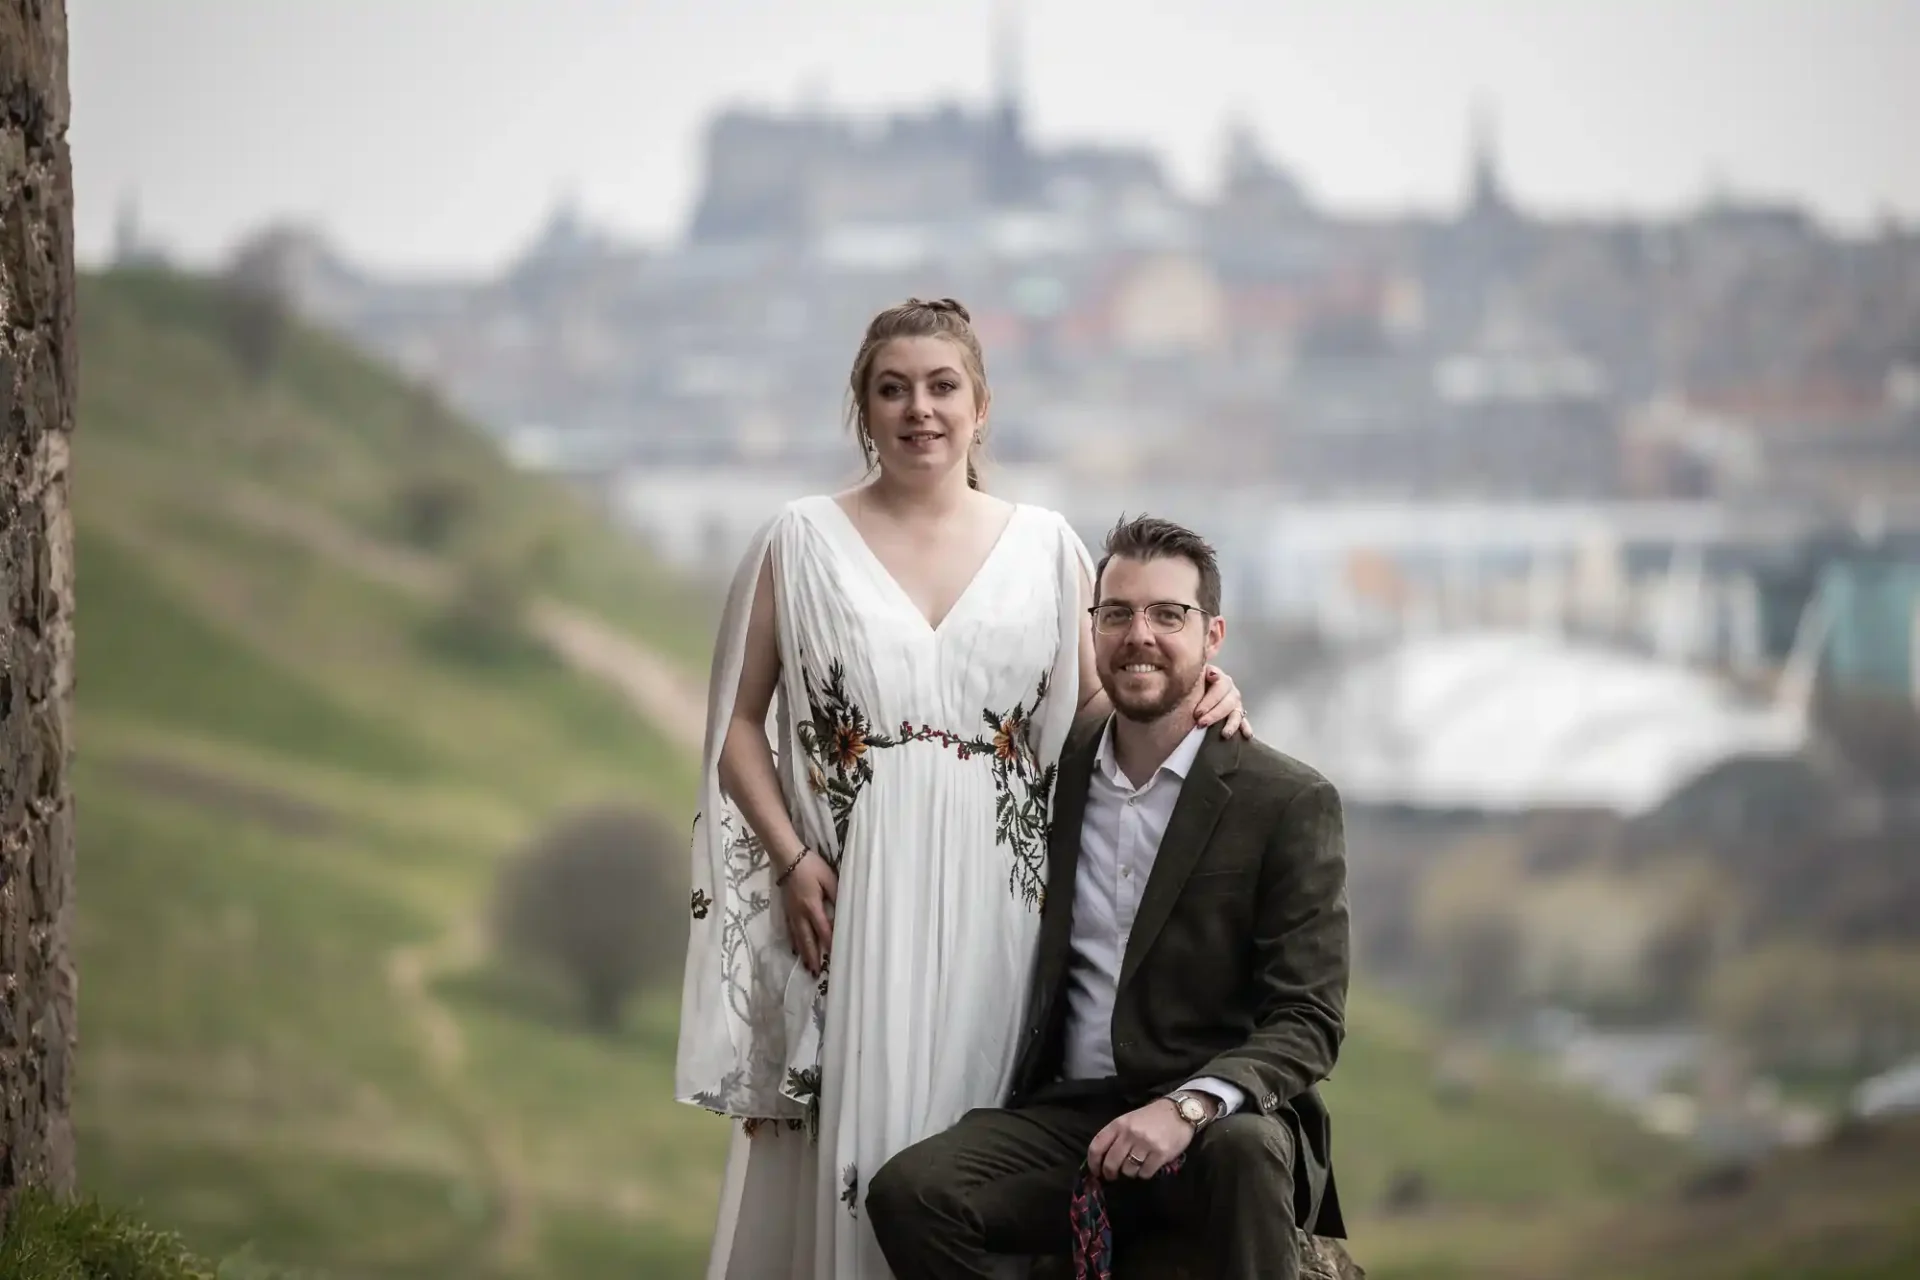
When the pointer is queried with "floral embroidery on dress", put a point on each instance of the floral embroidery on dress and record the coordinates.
(754, 1124)
(850, 1189)
(839, 740)
(750, 1001)
(1021, 812)
(755, 1045)
(755, 1003)
(1023, 790)
(836, 739)
(804, 1084)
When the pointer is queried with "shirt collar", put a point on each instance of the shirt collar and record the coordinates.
(1179, 762)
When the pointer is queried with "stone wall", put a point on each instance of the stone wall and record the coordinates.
(38, 371)
(1172, 1256)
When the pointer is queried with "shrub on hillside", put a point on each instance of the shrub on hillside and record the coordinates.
(430, 509)
(1879, 735)
(1803, 1006)
(256, 316)
(47, 1239)
(1469, 936)
(430, 421)
(599, 901)
(487, 619)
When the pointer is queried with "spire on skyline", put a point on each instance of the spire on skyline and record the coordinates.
(1486, 192)
(1009, 91)
(1008, 162)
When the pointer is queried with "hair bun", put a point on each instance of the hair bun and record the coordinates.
(951, 305)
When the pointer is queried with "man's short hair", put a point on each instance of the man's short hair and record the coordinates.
(1151, 538)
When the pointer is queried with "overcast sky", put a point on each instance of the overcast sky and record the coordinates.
(437, 134)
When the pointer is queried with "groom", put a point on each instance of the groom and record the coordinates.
(1191, 984)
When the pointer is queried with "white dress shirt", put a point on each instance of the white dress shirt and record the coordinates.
(1119, 840)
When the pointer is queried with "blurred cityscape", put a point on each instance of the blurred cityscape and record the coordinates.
(1580, 508)
(1473, 415)
(1582, 554)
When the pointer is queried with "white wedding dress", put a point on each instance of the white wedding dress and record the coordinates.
(920, 760)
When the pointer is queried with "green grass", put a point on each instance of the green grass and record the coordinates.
(148, 655)
(83, 1240)
(299, 1202)
(1844, 1210)
(334, 430)
(288, 791)
(291, 796)
(588, 1245)
(1485, 1151)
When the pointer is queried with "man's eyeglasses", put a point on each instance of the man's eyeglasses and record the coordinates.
(1164, 616)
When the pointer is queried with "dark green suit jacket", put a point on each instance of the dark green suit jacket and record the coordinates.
(1237, 964)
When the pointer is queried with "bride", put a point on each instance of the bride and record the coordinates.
(869, 870)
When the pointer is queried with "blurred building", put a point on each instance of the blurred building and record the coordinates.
(1867, 586)
(1502, 724)
(1506, 416)
(797, 178)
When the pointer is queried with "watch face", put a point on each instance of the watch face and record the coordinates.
(1191, 1109)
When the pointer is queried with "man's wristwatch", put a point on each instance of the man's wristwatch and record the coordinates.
(1191, 1109)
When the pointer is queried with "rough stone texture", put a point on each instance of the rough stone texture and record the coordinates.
(1169, 1257)
(38, 372)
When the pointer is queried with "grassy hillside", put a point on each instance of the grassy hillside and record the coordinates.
(164, 402)
(1846, 1209)
(293, 796)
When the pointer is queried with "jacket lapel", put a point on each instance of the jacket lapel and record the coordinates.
(1202, 798)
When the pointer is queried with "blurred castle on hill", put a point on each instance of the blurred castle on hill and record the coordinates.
(1482, 399)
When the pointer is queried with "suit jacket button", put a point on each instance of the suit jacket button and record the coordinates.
(1270, 1102)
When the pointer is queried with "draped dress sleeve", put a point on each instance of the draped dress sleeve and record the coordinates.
(750, 1016)
(732, 1047)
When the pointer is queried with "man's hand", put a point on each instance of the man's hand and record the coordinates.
(1140, 1143)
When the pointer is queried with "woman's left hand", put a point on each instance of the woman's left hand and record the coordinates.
(1221, 701)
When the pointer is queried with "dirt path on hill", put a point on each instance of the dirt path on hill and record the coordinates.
(674, 703)
(659, 692)
(412, 972)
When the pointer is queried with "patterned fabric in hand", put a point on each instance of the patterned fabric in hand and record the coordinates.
(1092, 1229)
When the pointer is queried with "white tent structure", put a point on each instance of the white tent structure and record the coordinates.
(1515, 721)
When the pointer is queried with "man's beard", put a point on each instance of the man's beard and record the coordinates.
(1176, 683)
